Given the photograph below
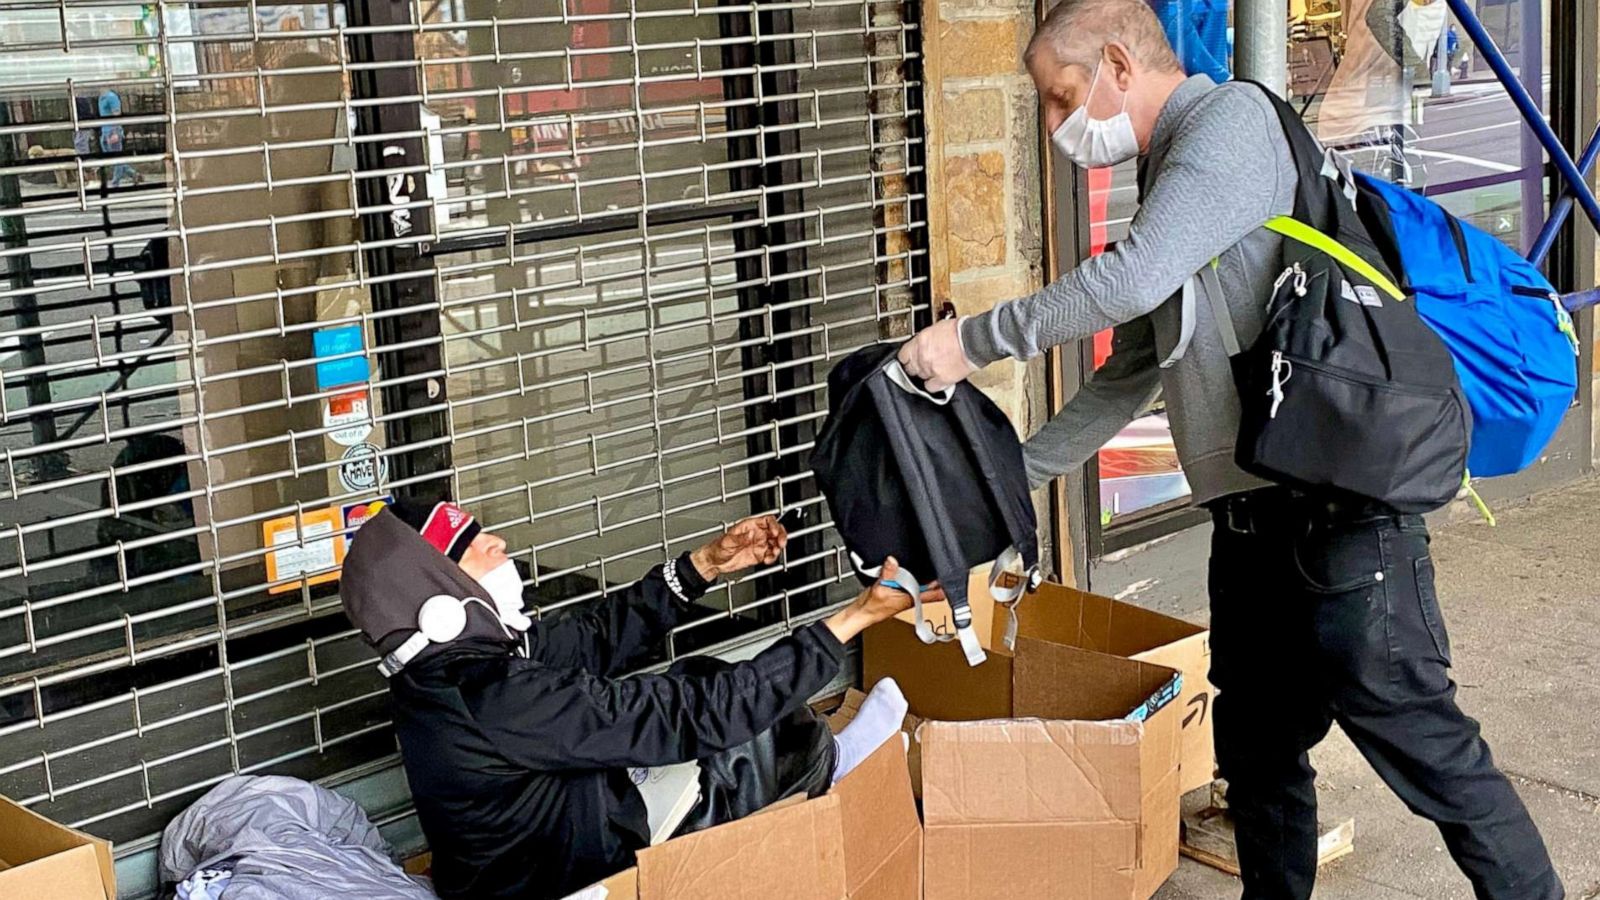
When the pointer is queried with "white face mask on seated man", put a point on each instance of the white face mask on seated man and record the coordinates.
(504, 586)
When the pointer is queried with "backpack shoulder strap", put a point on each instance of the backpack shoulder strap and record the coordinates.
(1317, 170)
(1211, 286)
(1024, 535)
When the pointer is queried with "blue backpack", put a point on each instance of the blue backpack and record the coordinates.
(1514, 344)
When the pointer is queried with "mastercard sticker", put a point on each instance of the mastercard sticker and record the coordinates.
(357, 514)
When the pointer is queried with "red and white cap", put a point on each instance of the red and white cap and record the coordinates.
(446, 526)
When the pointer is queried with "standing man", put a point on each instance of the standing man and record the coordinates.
(1322, 609)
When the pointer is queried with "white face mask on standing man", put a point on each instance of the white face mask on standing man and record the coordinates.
(1096, 143)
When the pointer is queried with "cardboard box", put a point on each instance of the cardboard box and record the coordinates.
(41, 860)
(1077, 619)
(862, 841)
(622, 885)
(1037, 778)
(794, 852)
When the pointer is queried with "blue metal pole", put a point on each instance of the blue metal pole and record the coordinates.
(1530, 110)
(1563, 205)
(1581, 300)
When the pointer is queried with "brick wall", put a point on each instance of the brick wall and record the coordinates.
(985, 206)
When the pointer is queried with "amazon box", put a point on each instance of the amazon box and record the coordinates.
(42, 860)
(860, 841)
(1050, 771)
(1077, 619)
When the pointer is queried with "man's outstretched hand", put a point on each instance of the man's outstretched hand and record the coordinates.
(934, 354)
(755, 541)
(877, 604)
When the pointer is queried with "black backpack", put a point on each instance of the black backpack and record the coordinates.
(1347, 390)
(934, 480)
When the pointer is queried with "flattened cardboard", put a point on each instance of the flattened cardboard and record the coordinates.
(43, 860)
(1058, 681)
(1072, 801)
(1077, 619)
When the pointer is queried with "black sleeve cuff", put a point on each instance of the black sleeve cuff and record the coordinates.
(823, 636)
(689, 577)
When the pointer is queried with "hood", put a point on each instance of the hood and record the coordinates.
(391, 571)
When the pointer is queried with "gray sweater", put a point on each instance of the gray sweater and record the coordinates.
(1218, 167)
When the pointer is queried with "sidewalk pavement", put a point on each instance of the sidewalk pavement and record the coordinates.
(1522, 602)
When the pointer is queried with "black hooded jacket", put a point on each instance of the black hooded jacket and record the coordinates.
(517, 754)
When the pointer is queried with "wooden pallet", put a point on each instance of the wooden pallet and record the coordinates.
(1207, 837)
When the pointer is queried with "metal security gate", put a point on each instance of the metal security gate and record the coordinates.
(579, 264)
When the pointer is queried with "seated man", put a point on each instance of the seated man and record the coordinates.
(518, 735)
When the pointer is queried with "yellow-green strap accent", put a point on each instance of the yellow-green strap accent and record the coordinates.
(1305, 234)
(1565, 326)
(1477, 499)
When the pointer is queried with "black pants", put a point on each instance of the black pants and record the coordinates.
(794, 757)
(1324, 613)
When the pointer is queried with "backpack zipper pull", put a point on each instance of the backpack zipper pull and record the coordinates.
(1298, 274)
(1282, 277)
(1282, 369)
(1564, 323)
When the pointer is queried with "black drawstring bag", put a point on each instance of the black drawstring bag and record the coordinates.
(935, 480)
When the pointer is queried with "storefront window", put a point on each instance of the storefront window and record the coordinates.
(582, 267)
(1404, 94)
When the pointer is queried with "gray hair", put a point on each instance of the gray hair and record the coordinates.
(1076, 31)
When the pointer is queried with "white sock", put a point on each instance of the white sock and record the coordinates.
(880, 718)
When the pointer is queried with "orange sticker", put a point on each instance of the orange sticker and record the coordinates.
(315, 549)
(348, 404)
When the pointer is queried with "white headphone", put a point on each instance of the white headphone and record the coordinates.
(440, 620)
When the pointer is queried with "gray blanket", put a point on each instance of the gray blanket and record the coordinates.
(284, 839)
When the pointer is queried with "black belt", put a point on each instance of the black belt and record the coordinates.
(1271, 510)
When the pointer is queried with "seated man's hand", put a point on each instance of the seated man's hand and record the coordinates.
(935, 355)
(878, 603)
(755, 541)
